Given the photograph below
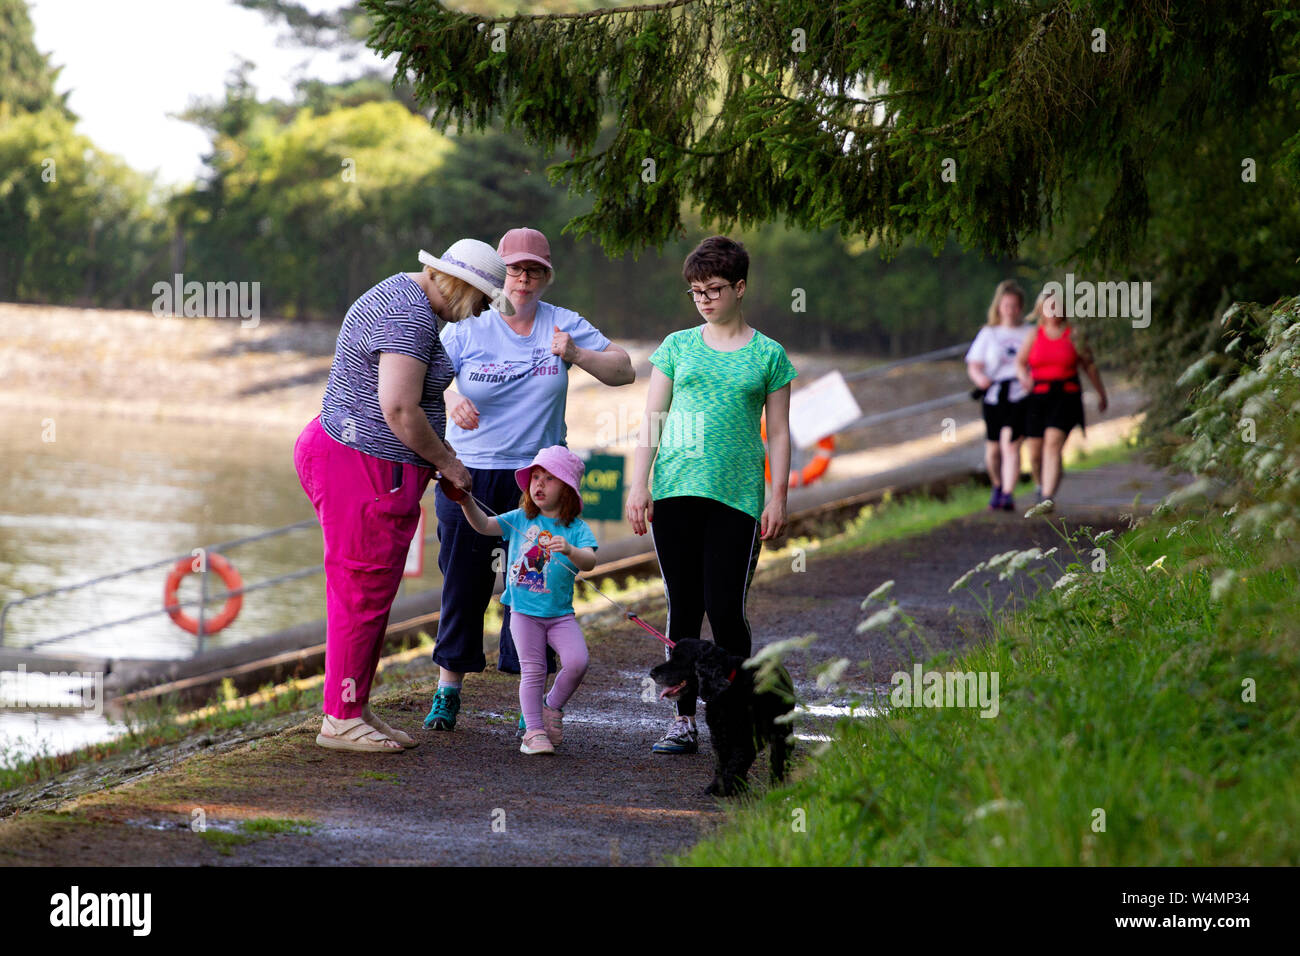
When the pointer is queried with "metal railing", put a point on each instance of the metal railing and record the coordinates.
(938, 355)
(879, 418)
(203, 600)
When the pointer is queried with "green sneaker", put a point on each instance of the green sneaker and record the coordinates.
(446, 705)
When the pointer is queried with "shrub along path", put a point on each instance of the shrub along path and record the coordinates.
(470, 797)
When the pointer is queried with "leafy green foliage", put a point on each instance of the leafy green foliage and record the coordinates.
(1242, 436)
(842, 114)
(79, 225)
(315, 207)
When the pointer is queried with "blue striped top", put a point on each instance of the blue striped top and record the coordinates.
(394, 316)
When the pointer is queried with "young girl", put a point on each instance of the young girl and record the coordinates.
(708, 386)
(545, 540)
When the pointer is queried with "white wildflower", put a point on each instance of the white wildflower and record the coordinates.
(879, 593)
(1222, 583)
(879, 619)
(1018, 561)
(1001, 559)
(1158, 563)
(1068, 596)
(1198, 488)
(1065, 580)
(961, 581)
(831, 675)
(779, 649)
(1000, 805)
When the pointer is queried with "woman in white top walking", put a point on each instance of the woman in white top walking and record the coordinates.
(991, 364)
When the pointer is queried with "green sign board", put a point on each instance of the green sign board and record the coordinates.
(602, 488)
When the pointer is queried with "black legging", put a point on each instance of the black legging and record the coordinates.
(707, 554)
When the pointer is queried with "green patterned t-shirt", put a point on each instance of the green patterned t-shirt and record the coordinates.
(709, 443)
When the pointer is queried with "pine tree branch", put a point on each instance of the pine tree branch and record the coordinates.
(605, 11)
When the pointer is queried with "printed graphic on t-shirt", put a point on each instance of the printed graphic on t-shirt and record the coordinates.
(529, 572)
(494, 373)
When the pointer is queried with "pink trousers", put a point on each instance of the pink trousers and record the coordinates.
(368, 509)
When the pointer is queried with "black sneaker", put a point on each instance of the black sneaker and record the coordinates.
(683, 738)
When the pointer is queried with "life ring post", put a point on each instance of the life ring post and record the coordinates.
(202, 627)
(810, 472)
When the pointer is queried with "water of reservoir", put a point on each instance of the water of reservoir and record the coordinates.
(108, 494)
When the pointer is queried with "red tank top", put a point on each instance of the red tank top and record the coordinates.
(1052, 360)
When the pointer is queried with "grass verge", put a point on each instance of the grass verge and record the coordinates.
(249, 831)
(1148, 716)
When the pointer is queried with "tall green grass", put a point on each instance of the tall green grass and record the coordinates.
(1126, 733)
(1149, 703)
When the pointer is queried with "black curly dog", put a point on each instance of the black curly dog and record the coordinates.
(740, 721)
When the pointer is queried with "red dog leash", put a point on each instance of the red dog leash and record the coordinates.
(455, 494)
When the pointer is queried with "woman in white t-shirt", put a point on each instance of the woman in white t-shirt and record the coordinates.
(991, 364)
(512, 375)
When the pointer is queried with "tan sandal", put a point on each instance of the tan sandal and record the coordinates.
(355, 735)
(401, 736)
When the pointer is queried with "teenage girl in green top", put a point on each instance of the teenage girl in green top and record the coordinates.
(708, 386)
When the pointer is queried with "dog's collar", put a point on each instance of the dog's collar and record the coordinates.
(731, 678)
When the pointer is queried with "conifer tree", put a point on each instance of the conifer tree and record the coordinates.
(26, 77)
(886, 118)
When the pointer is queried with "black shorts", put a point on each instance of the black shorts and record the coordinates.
(1059, 407)
(1003, 415)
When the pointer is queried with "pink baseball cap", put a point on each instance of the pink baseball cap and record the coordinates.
(525, 245)
(560, 462)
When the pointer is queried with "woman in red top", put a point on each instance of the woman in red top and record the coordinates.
(1048, 364)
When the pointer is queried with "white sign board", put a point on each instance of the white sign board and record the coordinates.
(821, 409)
(415, 555)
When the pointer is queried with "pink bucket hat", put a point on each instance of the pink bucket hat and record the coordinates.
(560, 462)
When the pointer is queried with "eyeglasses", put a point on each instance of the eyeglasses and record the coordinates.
(712, 293)
(533, 272)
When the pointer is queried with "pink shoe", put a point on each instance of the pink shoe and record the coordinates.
(536, 742)
(553, 721)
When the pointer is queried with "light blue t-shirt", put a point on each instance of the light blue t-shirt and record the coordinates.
(517, 385)
(539, 583)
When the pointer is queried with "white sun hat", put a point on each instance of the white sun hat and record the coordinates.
(478, 264)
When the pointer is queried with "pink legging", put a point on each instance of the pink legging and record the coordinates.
(532, 634)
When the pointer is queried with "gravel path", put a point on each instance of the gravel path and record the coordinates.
(470, 797)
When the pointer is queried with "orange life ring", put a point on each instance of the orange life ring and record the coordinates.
(229, 576)
(815, 468)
